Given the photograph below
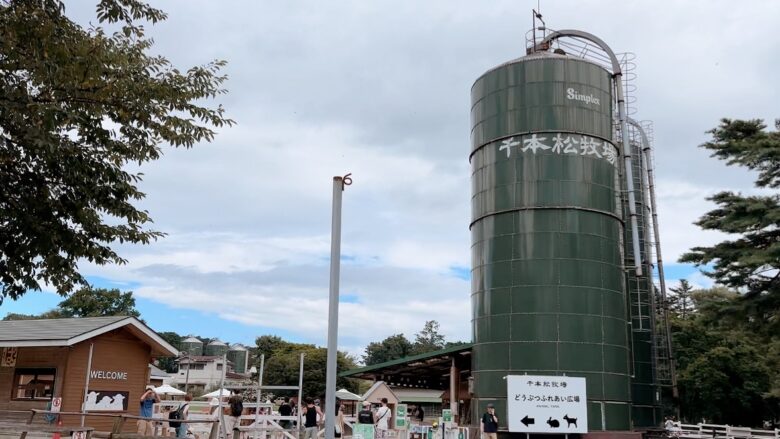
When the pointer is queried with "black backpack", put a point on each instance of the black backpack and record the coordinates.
(236, 408)
(176, 414)
(365, 417)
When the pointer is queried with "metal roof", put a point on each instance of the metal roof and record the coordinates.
(68, 332)
(156, 372)
(418, 395)
(429, 370)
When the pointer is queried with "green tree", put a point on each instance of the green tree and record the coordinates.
(283, 361)
(680, 302)
(727, 372)
(750, 261)
(391, 348)
(268, 345)
(428, 339)
(97, 302)
(79, 105)
(88, 302)
(169, 364)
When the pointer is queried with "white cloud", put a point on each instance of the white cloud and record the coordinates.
(381, 89)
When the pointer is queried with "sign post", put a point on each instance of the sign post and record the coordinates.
(400, 417)
(546, 404)
(363, 431)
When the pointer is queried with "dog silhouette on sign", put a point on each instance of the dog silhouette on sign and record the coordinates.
(570, 421)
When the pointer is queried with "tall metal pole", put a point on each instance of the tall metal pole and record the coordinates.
(86, 384)
(300, 392)
(223, 427)
(259, 388)
(333, 307)
(187, 377)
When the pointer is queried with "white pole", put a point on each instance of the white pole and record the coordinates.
(333, 307)
(300, 392)
(259, 388)
(86, 384)
(187, 377)
(221, 387)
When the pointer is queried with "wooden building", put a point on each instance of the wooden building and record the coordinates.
(100, 363)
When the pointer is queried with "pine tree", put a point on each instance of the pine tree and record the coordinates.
(750, 261)
(680, 302)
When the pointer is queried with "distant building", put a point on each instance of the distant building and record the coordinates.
(205, 373)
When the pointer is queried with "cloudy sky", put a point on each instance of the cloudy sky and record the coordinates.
(381, 89)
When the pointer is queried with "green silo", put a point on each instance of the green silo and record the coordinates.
(216, 348)
(548, 293)
(192, 346)
(239, 356)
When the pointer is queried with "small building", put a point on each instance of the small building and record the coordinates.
(199, 373)
(158, 377)
(100, 363)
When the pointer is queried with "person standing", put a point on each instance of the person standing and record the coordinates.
(339, 424)
(285, 410)
(366, 416)
(235, 410)
(418, 414)
(181, 430)
(489, 424)
(382, 419)
(148, 399)
(311, 414)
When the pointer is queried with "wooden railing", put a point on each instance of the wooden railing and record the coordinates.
(120, 421)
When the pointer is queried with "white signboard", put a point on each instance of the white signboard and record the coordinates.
(546, 404)
(56, 404)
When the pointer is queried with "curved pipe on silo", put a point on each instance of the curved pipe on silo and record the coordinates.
(617, 74)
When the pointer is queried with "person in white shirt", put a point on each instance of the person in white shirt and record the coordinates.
(382, 417)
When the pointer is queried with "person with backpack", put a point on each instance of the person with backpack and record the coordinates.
(235, 410)
(366, 416)
(382, 419)
(181, 413)
(285, 410)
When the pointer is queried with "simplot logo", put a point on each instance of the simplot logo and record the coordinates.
(574, 95)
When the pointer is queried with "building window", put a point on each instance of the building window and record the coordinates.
(33, 383)
(219, 367)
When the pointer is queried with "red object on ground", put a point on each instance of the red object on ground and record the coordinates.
(56, 435)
